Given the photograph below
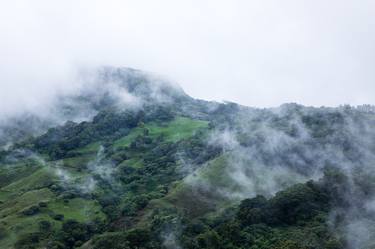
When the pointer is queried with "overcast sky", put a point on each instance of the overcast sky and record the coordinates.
(255, 52)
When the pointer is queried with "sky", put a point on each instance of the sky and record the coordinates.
(258, 53)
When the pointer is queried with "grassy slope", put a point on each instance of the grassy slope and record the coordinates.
(24, 185)
(177, 129)
(29, 191)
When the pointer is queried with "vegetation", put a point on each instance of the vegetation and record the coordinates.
(191, 174)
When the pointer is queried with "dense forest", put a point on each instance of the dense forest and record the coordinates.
(165, 170)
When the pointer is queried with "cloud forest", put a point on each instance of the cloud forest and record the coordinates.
(129, 160)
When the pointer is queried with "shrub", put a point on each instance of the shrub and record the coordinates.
(43, 204)
(31, 210)
(45, 226)
(3, 232)
(58, 217)
(28, 241)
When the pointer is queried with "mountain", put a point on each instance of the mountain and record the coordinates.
(132, 161)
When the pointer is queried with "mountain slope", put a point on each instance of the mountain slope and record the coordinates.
(151, 167)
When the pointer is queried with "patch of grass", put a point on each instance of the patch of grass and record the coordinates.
(126, 141)
(37, 180)
(178, 129)
(21, 202)
(173, 131)
(89, 149)
(15, 223)
(14, 172)
(78, 209)
(79, 162)
(16, 226)
(134, 162)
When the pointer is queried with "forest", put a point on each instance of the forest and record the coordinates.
(177, 172)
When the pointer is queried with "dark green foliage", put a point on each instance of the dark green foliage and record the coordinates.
(73, 234)
(3, 154)
(45, 226)
(288, 244)
(209, 239)
(43, 204)
(197, 150)
(58, 217)
(135, 238)
(299, 203)
(160, 113)
(59, 141)
(139, 197)
(252, 211)
(114, 241)
(120, 156)
(31, 210)
(293, 218)
(296, 204)
(28, 241)
(55, 245)
(3, 232)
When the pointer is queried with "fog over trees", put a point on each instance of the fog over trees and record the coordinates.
(185, 125)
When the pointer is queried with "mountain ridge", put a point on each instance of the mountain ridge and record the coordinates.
(154, 168)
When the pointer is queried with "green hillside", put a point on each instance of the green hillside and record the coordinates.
(184, 173)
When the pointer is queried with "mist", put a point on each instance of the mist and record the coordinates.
(255, 53)
(259, 54)
(269, 150)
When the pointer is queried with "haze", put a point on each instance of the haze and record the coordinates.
(257, 53)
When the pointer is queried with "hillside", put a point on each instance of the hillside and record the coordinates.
(132, 161)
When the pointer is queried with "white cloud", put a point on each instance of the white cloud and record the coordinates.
(259, 53)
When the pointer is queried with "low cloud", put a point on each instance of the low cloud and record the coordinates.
(256, 53)
(267, 151)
